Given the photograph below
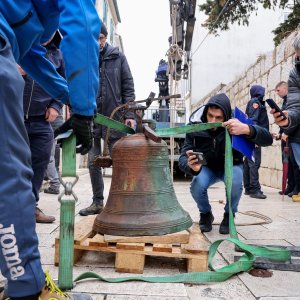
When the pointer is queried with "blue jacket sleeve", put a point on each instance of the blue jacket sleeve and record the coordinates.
(253, 113)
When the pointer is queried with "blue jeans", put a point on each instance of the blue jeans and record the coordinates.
(296, 151)
(207, 178)
(19, 255)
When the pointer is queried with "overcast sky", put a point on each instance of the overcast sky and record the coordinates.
(145, 28)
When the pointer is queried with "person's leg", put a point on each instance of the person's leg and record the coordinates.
(51, 173)
(19, 256)
(236, 189)
(40, 139)
(296, 173)
(246, 176)
(199, 186)
(96, 181)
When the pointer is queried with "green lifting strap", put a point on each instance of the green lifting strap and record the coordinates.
(67, 216)
(245, 262)
(110, 123)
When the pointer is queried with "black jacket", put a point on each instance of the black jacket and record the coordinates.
(212, 143)
(293, 107)
(35, 99)
(116, 87)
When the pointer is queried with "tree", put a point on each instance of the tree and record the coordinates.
(222, 13)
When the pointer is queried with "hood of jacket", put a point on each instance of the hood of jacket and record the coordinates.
(219, 100)
(109, 52)
(257, 91)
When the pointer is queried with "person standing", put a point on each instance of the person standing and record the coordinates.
(211, 143)
(291, 125)
(24, 27)
(116, 88)
(293, 183)
(40, 109)
(255, 110)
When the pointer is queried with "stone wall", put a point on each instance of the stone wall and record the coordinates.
(268, 70)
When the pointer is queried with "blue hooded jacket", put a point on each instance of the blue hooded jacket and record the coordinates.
(256, 109)
(27, 24)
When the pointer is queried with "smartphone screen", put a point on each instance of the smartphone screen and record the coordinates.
(273, 105)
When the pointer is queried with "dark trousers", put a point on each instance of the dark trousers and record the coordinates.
(251, 175)
(293, 174)
(40, 134)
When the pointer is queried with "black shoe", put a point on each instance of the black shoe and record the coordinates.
(206, 221)
(258, 195)
(293, 193)
(246, 192)
(51, 190)
(224, 226)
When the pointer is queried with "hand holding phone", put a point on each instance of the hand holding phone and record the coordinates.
(200, 157)
(273, 105)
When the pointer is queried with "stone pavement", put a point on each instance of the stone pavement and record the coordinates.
(283, 230)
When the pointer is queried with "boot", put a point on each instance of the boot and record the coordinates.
(52, 190)
(93, 209)
(206, 221)
(224, 226)
(296, 198)
(40, 217)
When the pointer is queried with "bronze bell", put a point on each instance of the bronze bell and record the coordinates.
(141, 199)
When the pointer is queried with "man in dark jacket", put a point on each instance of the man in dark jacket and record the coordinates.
(293, 184)
(116, 88)
(211, 143)
(291, 126)
(39, 110)
(255, 110)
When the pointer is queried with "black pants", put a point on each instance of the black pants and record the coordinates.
(251, 175)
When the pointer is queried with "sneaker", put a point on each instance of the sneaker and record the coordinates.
(40, 217)
(93, 209)
(51, 190)
(258, 195)
(206, 221)
(51, 292)
(224, 226)
(296, 198)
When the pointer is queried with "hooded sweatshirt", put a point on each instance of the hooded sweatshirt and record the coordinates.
(212, 142)
(256, 108)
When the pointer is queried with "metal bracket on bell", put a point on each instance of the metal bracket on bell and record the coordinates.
(68, 188)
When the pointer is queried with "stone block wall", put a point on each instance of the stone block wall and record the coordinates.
(268, 70)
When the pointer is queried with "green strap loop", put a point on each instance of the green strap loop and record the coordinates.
(245, 263)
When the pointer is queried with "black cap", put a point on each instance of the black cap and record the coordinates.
(103, 29)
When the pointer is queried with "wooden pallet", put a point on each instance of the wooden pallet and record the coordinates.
(131, 251)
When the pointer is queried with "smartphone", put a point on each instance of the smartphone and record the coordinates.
(200, 157)
(273, 105)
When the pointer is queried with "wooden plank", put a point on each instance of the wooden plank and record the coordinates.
(162, 248)
(199, 264)
(130, 263)
(197, 242)
(98, 240)
(131, 246)
(84, 229)
(181, 237)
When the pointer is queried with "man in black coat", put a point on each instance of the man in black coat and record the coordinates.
(116, 88)
(211, 143)
(291, 126)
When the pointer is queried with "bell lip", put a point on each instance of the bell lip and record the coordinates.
(102, 228)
